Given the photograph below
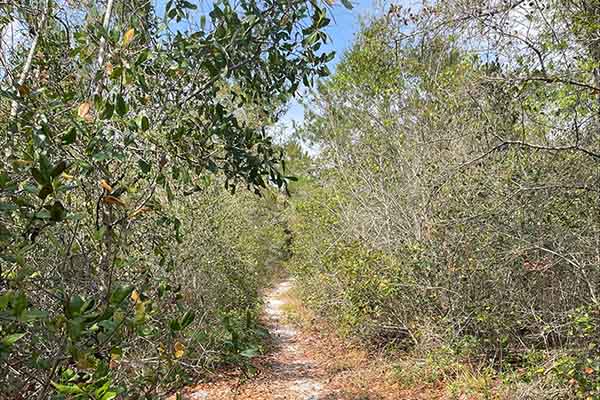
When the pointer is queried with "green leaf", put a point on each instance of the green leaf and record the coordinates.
(67, 389)
(74, 328)
(347, 4)
(45, 191)
(39, 177)
(144, 166)
(58, 169)
(5, 299)
(42, 214)
(9, 340)
(70, 136)
(144, 123)
(187, 319)
(99, 235)
(121, 106)
(116, 72)
(32, 315)
(7, 207)
(45, 166)
(57, 211)
(102, 389)
(19, 303)
(142, 57)
(120, 293)
(101, 156)
(249, 352)
(175, 325)
(188, 5)
(109, 396)
(74, 306)
(108, 111)
(140, 312)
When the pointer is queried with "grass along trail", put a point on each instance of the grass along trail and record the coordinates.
(306, 365)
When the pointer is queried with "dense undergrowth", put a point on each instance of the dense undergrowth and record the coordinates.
(452, 213)
(127, 265)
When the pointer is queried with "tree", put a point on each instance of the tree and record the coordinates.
(112, 114)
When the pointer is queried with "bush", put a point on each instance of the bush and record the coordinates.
(453, 202)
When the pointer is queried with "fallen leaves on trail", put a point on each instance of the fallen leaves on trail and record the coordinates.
(140, 211)
(23, 90)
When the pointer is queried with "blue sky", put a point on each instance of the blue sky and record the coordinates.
(344, 25)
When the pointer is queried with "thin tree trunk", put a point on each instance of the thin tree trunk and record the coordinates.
(14, 108)
(592, 7)
(106, 260)
(105, 25)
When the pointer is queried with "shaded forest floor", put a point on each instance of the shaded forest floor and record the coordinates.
(307, 364)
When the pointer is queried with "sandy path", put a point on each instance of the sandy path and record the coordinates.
(288, 373)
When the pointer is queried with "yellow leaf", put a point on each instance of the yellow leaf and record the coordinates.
(109, 68)
(22, 163)
(179, 349)
(135, 296)
(128, 37)
(84, 109)
(115, 355)
(104, 185)
(113, 200)
(67, 176)
(23, 90)
(140, 312)
(139, 211)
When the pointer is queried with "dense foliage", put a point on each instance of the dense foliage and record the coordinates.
(126, 265)
(453, 208)
(451, 212)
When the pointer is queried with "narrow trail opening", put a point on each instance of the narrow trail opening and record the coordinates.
(288, 373)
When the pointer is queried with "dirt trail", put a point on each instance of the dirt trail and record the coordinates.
(306, 366)
(287, 373)
(297, 375)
